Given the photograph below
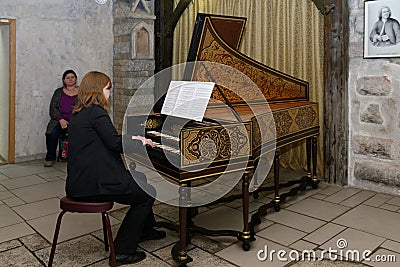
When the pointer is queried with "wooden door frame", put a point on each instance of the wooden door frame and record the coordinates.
(12, 23)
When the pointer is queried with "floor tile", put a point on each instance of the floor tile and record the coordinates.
(389, 207)
(221, 218)
(281, 234)
(384, 258)
(203, 258)
(391, 245)
(10, 245)
(302, 245)
(168, 212)
(8, 216)
(2, 187)
(357, 198)
(319, 196)
(19, 171)
(343, 194)
(324, 233)
(295, 220)
(13, 201)
(3, 177)
(19, 257)
(73, 225)
(354, 240)
(206, 243)
(51, 174)
(22, 181)
(382, 223)
(34, 242)
(41, 191)
(5, 195)
(330, 190)
(264, 224)
(394, 201)
(38, 209)
(318, 209)
(260, 248)
(15, 231)
(377, 200)
(76, 252)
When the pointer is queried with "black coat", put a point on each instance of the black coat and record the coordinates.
(95, 166)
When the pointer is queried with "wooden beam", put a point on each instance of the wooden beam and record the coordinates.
(167, 18)
(336, 92)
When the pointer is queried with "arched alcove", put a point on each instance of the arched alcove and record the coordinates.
(142, 41)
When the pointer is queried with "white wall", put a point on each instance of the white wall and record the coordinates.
(4, 95)
(52, 36)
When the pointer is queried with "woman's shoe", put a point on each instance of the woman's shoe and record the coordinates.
(123, 259)
(49, 163)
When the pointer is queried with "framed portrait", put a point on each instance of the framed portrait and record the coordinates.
(381, 28)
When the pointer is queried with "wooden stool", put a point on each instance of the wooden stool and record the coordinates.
(68, 205)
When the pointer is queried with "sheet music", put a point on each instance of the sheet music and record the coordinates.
(187, 99)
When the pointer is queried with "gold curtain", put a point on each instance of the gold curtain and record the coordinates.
(284, 34)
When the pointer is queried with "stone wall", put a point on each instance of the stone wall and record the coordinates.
(52, 36)
(133, 53)
(374, 108)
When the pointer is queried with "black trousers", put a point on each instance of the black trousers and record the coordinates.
(52, 142)
(139, 219)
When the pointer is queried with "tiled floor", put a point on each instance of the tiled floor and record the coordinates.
(315, 220)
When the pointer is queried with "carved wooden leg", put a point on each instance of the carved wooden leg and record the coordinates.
(314, 160)
(277, 197)
(308, 153)
(246, 238)
(178, 252)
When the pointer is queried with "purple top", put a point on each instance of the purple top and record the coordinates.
(66, 105)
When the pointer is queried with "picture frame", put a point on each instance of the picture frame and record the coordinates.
(381, 28)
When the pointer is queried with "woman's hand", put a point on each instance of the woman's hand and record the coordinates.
(63, 123)
(144, 140)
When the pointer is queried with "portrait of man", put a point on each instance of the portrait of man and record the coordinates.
(386, 30)
(382, 28)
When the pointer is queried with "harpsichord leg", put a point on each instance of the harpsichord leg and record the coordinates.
(178, 251)
(246, 237)
(308, 153)
(277, 198)
(315, 180)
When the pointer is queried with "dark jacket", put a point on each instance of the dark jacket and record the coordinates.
(392, 30)
(95, 165)
(55, 110)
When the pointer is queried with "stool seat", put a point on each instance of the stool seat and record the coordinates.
(70, 205)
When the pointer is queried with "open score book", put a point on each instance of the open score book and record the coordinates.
(187, 99)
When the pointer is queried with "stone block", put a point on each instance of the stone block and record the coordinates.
(374, 86)
(374, 147)
(372, 114)
(122, 47)
(380, 172)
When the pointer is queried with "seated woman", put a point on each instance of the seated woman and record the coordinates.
(96, 171)
(62, 102)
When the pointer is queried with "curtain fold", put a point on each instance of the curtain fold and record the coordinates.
(284, 34)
